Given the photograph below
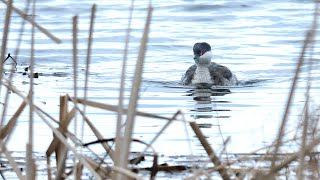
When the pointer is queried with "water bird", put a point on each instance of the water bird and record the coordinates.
(205, 71)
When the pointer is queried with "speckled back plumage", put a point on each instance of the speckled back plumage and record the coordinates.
(221, 75)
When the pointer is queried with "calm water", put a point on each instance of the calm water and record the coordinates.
(259, 41)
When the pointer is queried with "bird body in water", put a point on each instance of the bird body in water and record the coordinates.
(205, 71)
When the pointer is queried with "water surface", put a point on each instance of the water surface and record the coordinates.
(260, 41)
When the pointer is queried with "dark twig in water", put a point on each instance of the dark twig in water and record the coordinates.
(155, 155)
(9, 56)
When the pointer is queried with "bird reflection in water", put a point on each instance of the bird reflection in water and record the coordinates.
(202, 93)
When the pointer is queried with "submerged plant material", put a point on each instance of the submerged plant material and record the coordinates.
(68, 156)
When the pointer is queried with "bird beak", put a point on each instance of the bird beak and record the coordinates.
(196, 56)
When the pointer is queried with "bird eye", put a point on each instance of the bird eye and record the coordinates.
(202, 52)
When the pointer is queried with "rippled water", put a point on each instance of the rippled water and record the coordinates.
(260, 41)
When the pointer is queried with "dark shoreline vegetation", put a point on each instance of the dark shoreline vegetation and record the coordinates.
(118, 162)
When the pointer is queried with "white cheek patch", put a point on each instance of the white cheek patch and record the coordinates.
(206, 57)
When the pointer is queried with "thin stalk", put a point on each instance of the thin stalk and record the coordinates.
(14, 165)
(75, 70)
(63, 140)
(4, 110)
(135, 90)
(27, 18)
(75, 63)
(26, 10)
(159, 133)
(30, 162)
(121, 91)
(95, 131)
(4, 42)
(211, 153)
(309, 36)
(135, 94)
(88, 61)
(115, 108)
(306, 113)
(304, 141)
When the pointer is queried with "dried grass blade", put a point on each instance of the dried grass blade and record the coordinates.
(63, 140)
(30, 165)
(94, 130)
(119, 131)
(309, 36)
(27, 18)
(115, 108)
(134, 94)
(4, 42)
(9, 127)
(214, 158)
(14, 165)
(88, 61)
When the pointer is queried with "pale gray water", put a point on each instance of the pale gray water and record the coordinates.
(259, 41)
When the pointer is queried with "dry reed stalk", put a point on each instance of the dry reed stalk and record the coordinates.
(7, 129)
(63, 128)
(94, 130)
(114, 109)
(4, 43)
(13, 164)
(25, 99)
(88, 62)
(75, 69)
(134, 95)
(26, 10)
(243, 157)
(68, 117)
(56, 132)
(61, 163)
(27, 18)
(121, 91)
(75, 63)
(79, 171)
(290, 97)
(61, 150)
(306, 113)
(4, 110)
(30, 165)
(63, 140)
(6, 101)
(162, 130)
(49, 168)
(293, 157)
(310, 35)
(214, 159)
(303, 142)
